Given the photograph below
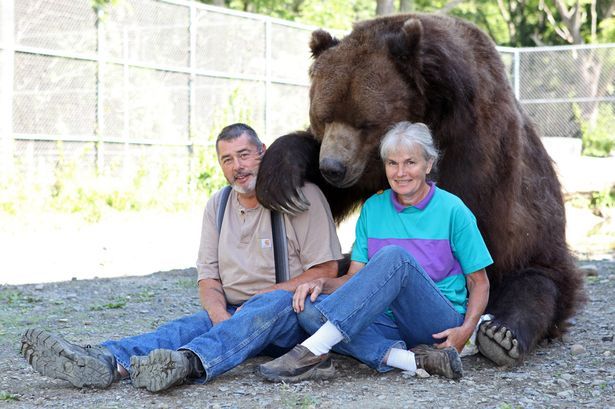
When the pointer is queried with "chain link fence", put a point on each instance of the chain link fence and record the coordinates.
(151, 81)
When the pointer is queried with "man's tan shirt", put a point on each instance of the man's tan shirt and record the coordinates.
(242, 257)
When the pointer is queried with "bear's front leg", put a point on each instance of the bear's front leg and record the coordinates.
(287, 164)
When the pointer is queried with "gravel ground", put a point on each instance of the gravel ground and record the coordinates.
(577, 371)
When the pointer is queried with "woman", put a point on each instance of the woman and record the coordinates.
(417, 277)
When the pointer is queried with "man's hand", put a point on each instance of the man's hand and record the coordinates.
(218, 317)
(213, 301)
(313, 287)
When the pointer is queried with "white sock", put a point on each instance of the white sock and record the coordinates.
(402, 359)
(323, 340)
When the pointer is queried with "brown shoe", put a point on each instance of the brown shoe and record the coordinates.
(444, 362)
(297, 365)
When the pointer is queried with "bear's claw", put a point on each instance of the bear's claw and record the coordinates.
(498, 343)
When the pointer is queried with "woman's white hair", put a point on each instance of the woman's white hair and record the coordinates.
(404, 136)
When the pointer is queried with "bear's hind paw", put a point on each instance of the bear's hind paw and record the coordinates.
(498, 344)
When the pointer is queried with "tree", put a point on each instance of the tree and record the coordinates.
(384, 7)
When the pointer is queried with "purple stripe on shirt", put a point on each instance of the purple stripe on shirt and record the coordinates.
(435, 256)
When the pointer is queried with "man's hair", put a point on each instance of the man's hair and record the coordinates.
(406, 135)
(234, 131)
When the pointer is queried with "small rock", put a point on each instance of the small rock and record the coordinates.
(590, 270)
(607, 353)
(62, 320)
(565, 394)
(608, 338)
(39, 287)
(567, 376)
(421, 373)
(563, 384)
(577, 349)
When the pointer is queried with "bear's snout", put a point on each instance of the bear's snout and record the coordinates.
(333, 170)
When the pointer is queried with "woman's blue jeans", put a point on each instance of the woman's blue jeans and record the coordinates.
(393, 280)
(265, 324)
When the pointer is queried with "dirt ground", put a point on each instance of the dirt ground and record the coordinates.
(576, 371)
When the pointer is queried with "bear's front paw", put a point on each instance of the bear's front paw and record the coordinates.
(498, 343)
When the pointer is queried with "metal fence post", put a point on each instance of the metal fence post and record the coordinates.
(268, 64)
(7, 74)
(516, 73)
(98, 132)
(192, 91)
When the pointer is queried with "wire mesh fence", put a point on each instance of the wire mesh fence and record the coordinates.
(149, 81)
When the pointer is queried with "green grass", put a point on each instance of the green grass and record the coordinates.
(7, 396)
(117, 303)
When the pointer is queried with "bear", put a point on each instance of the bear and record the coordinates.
(446, 73)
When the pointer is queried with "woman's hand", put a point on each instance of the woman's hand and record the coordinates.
(313, 287)
(455, 337)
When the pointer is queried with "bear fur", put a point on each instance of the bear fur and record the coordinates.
(445, 73)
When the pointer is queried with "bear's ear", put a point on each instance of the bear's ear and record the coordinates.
(321, 41)
(405, 47)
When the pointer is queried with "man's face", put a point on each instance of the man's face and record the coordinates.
(240, 160)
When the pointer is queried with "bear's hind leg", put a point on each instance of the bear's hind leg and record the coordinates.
(524, 311)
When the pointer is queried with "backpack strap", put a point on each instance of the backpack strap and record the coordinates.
(226, 192)
(280, 247)
(278, 230)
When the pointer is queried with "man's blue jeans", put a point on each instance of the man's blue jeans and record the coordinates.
(265, 324)
(393, 280)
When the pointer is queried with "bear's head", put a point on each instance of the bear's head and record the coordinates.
(369, 81)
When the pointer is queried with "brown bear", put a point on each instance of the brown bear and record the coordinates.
(446, 73)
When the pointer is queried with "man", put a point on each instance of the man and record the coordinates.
(245, 311)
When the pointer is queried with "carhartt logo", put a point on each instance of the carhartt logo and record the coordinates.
(265, 243)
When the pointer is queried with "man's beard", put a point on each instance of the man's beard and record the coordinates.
(246, 189)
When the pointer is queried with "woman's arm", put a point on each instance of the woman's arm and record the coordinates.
(478, 288)
(322, 286)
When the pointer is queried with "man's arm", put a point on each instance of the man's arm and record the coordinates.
(323, 285)
(212, 300)
(328, 269)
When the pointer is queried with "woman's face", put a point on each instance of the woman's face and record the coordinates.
(406, 172)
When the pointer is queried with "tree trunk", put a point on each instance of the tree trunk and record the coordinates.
(384, 7)
(406, 6)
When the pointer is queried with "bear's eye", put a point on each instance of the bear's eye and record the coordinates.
(367, 125)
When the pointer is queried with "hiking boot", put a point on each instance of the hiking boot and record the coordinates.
(297, 365)
(53, 356)
(444, 362)
(164, 368)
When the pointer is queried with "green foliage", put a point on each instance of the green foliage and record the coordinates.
(16, 297)
(603, 199)
(117, 303)
(508, 22)
(7, 396)
(598, 137)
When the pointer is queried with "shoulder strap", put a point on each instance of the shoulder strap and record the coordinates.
(280, 247)
(226, 191)
(278, 230)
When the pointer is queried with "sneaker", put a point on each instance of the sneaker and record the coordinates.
(444, 362)
(297, 365)
(164, 368)
(53, 356)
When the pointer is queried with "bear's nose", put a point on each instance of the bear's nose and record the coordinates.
(333, 170)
